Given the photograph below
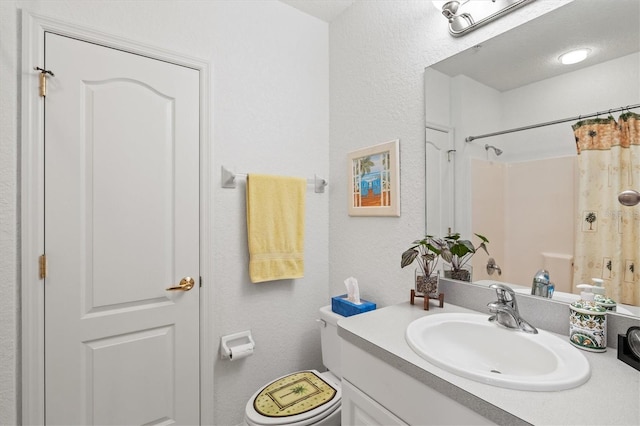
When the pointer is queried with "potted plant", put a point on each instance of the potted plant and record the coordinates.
(458, 252)
(427, 252)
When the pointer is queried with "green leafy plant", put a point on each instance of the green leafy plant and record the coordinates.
(427, 252)
(458, 252)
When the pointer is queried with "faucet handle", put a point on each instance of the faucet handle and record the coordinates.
(504, 292)
(492, 267)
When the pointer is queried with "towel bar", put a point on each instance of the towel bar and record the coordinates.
(228, 180)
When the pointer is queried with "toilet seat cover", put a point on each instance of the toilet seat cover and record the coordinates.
(295, 395)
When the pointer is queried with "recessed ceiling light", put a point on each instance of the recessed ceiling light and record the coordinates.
(574, 56)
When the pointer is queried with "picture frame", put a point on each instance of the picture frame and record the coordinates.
(374, 180)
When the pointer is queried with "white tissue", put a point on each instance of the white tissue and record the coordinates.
(353, 292)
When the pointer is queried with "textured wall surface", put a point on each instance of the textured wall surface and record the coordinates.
(378, 54)
(270, 112)
(9, 233)
(275, 72)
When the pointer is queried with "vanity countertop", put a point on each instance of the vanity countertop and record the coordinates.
(611, 396)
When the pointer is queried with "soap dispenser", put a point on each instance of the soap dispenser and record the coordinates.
(600, 297)
(588, 322)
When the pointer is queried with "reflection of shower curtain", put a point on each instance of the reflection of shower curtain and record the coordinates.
(608, 233)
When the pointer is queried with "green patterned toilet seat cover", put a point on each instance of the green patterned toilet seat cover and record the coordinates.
(294, 394)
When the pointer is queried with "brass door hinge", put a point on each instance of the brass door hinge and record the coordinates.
(42, 263)
(43, 80)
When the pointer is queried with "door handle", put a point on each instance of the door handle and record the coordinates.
(186, 284)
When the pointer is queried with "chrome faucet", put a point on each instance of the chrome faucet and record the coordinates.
(505, 310)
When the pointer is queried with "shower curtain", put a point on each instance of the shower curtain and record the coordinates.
(607, 242)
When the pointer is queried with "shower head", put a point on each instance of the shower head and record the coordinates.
(498, 151)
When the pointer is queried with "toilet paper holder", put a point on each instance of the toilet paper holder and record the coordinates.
(237, 345)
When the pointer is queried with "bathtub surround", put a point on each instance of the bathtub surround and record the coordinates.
(501, 203)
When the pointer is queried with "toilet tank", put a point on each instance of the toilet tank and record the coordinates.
(331, 342)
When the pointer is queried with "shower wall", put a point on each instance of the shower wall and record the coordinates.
(488, 204)
(510, 203)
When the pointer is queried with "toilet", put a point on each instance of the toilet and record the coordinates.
(305, 397)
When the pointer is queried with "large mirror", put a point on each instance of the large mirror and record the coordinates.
(519, 189)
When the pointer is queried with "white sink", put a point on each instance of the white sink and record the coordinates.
(470, 346)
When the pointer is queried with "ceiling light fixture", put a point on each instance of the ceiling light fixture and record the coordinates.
(574, 56)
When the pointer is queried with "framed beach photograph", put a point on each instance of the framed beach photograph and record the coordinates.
(374, 180)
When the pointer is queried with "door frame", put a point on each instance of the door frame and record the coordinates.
(34, 27)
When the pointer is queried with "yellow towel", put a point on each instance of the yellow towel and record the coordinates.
(275, 227)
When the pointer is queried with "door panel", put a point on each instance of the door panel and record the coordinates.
(121, 368)
(143, 153)
(121, 226)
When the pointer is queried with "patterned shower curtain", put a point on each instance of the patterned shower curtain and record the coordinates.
(608, 234)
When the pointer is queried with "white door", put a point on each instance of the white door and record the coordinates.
(121, 226)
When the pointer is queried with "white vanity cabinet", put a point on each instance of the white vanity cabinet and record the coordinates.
(376, 393)
(360, 410)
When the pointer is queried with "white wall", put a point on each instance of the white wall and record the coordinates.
(9, 290)
(610, 84)
(378, 51)
(476, 110)
(270, 112)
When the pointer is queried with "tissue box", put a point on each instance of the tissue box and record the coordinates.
(341, 305)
